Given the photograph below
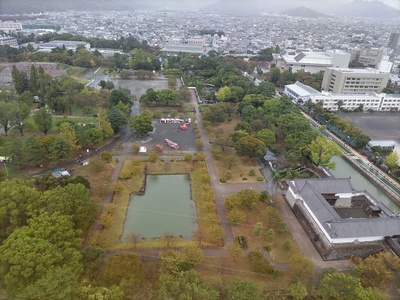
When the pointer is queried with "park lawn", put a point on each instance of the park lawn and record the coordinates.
(72, 71)
(31, 128)
(110, 236)
(277, 252)
(219, 270)
(242, 165)
(99, 180)
(241, 168)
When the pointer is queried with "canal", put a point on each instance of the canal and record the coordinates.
(165, 207)
(359, 182)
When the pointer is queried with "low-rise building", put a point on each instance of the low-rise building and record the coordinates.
(340, 220)
(10, 41)
(8, 26)
(301, 93)
(69, 45)
(311, 61)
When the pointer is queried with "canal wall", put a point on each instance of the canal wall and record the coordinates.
(388, 192)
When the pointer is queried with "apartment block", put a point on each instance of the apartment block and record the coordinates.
(354, 81)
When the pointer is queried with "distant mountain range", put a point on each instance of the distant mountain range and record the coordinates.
(304, 12)
(357, 8)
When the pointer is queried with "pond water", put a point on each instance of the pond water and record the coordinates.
(359, 182)
(165, 207)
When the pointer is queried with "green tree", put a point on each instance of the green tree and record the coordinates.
(250, 146)
(119, 95)
(104, 123)
(267, 136)
(167, 96)
(237, 134)
(214, 114)
(43, 120)
(102, 84)
(340, 286)
(185, 285)
(258, 229)
(125, 74)
(248, 113)
(57, 283)
(109, 85)
(30, 251)
(116, 118)
(5, 116)
(379, 269)
(140, 125)
(322, 150)
(266, 88)
(392, 161)
(224, 94)
(60, 149)
(34, 152)
(258, 263)
(20, 80)
(33, 80)
(270, 235)
(16, 197)
(67, 131)
(93, 136)
(297, 291)
(301, 266)
(19, 113)
(239, 289)
(71, 200)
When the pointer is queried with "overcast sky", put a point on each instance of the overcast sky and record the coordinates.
(308, 3)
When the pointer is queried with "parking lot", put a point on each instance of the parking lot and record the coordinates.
(186, 139)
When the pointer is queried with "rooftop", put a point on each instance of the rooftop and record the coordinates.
(313, 193)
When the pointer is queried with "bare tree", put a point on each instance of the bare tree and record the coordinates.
(134, 237)
(168, 237)
(198, 235)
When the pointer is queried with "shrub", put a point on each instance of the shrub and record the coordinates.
(216, 151)
(199, 144)
(267, 247)
(222, 180)
(259, 178)
(236, 216)
(153, 157)
(228, 175)
(231, 202)
(258, 263)
(125, 174)
(106, 156)
(252, 173)
(188, 157)
(135, 148)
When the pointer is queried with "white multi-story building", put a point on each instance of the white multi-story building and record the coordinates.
(10, 41)
(354, 81)
(309, 61)
(301, 93)
(10, 26)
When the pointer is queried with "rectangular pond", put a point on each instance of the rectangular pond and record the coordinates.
(165, 207)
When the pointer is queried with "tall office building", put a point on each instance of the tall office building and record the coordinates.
(394, 40)
(354, 81)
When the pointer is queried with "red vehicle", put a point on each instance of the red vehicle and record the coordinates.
(171, 144)
(183, 127)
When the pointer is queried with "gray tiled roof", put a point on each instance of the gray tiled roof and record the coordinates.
(311, 191)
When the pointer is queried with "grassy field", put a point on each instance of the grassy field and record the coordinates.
(31, 128)
(239, 167)
(277, 252)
